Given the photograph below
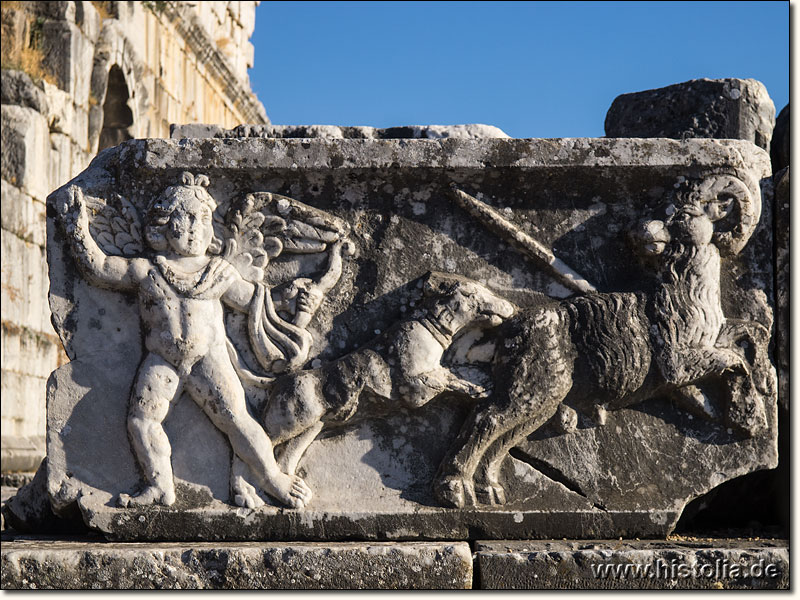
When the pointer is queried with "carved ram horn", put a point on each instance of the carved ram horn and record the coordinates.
(743, 214)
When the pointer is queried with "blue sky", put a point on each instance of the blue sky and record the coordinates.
(534, 69)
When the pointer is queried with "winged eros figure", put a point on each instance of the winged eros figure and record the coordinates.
(182, 281)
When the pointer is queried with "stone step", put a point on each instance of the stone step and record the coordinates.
(40, 563)
(639, 564)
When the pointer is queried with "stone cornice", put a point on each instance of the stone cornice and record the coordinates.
(188, 26)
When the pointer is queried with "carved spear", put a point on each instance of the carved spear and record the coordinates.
(528, 246)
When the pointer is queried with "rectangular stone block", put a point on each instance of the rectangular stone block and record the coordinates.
(92, 565)
(234, 9)
(248, 53)
(219, 10)
(633, 565)
(15, 30)
(61, 111)
(22, 453)
(17, 87)
(702, 108)
(29, 352)
(80, 132)
(68, 158)
(23, 405)
(22, 215)
(133, 24)
(247, 17)
(61, 164)
(67, 52)
(409, 338)
(59, 10)
(472, 131)
(25, 285)
(25, 149)
(88, 19)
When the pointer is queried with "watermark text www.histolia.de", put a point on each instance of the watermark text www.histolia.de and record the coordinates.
(677, 569)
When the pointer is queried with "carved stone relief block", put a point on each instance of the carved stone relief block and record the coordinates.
(409, 339)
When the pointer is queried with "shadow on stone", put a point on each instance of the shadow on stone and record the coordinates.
(29, 511)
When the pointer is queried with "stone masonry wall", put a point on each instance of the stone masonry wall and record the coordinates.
(78, 77)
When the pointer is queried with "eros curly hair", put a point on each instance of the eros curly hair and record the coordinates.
(160, 210)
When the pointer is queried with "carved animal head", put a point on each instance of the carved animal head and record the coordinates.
(456, 302)
(719, 210)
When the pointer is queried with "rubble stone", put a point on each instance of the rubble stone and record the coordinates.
(701, 108)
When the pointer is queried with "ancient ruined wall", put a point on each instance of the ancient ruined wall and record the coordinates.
(79, 77)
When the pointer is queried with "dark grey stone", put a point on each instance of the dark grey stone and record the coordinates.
(28, 509)
(782, 282)
(38, 564)
(700, 108)
(678, 563)
(781, 138)
(16, 87)
(7, 492)
(59, 10)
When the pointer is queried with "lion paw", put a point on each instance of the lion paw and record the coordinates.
(455, 492)
(491, 494)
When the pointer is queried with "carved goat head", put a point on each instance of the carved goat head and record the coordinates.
(719, 210)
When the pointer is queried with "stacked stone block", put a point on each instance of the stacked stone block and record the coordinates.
(38, 148)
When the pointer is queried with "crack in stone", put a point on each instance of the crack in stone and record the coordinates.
(554, 474)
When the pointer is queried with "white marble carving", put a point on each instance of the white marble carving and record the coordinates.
(233, 350)
(399, 368)
(609, 351)
(181, 284)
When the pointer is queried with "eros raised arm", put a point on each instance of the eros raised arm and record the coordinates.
(102, 270)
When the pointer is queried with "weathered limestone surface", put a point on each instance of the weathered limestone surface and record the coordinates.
(415, 273)
(17, 88)
(92, 565)
(626, 565)
(70, 70)
(21, 454)
(706, 108)
(25, 147)
(472, 131)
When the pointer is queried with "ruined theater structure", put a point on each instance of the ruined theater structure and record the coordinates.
(408, 339)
